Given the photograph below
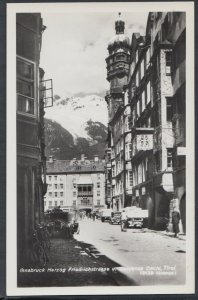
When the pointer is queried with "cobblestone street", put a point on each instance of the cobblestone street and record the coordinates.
(72, 264)
(103, 255)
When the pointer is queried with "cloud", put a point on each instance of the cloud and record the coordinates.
(74, 49)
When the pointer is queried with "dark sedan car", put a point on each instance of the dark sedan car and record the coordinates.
(115, 218)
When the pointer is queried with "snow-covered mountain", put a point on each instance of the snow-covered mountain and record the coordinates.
(75, 126)
(73, 113)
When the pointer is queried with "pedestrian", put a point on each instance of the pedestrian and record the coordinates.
(94, 216)
(175, 220)
(123, 221)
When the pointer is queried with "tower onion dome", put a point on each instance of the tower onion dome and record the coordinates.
(120, 39)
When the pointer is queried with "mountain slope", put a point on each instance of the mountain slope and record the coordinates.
(74, 113)
(61, 144)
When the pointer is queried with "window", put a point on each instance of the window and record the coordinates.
(148, 55)
(130, 178)
(128, 151)
(74, 203)
(61, 202)
(98, 193)
(50, 194)
(169, 158)
(56, 186)
(55, 177)
(80, 189)
(61, 194)
(74, 185)
(50, 178)
(49, 186)
(142, 68)
(148, 92)
(25, 87)
(50, 203)
(61, 186)
(98, 185)
(168, 63)
(136, 56)
(98, 202)
(74, 194)
(55, 203)
(138, 108)
(55, 194)
(169, 109)
(98, 175)
(143, 101)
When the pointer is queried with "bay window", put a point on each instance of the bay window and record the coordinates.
(25, 87)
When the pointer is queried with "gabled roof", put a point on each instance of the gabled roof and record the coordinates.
(74, 166)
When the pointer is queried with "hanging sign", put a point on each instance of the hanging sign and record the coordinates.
(144, 142)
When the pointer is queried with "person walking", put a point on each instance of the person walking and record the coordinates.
(123, 221)
(175, 220)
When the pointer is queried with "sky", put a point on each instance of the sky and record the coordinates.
(74, 48)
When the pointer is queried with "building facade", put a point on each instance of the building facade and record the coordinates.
(155, 103)
(31, 184)
(75, 184)
(117, 73)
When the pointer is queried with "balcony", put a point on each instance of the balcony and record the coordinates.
(84, 194)
(116, 90)
(142, 141)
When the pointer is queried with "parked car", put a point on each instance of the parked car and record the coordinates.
(115, 218)
(106, 214)
(136, 217)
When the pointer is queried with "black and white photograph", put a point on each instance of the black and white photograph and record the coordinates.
(100, 162)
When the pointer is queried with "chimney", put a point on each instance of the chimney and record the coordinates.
(96, 158)
(50, 159)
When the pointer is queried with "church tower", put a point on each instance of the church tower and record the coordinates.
(117, 66)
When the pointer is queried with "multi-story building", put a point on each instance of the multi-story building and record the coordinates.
(117, 72)
(151, 90)
(153, 104)
(76, 184)
(31, 184)
(176, 33)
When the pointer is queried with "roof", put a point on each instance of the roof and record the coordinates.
(75, 166)
(85, 180)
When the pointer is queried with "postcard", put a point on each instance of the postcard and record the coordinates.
(100, 148)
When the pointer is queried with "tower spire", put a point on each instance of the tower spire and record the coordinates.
(119, 25)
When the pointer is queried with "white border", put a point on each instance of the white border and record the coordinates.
(11, 268)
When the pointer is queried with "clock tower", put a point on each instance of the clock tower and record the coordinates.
(117, 66)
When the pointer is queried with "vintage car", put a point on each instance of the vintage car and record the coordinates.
(106, 214)
(136, 217)
(115, 218)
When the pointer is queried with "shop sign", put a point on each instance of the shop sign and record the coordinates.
(144, 142)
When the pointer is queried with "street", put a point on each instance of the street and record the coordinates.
(103, 255)
(145, 256)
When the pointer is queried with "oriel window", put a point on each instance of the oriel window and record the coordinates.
(25, 87)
